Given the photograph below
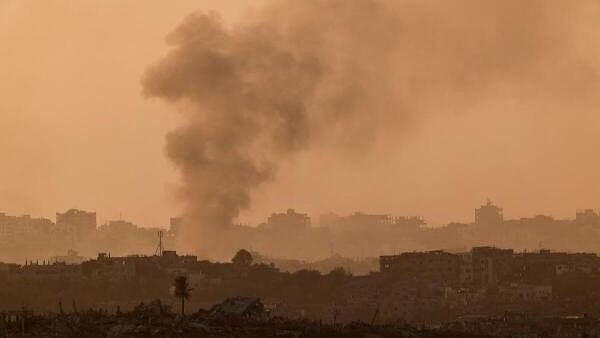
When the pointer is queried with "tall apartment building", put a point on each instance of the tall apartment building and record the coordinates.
(488, 214)
(290, 220)
(78, 224)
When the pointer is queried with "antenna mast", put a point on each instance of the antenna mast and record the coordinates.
(160, 248)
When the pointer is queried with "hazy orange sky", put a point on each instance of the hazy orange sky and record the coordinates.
(75, 130)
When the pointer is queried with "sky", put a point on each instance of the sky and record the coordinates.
(76, 131)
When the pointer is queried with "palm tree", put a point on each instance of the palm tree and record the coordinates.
(182, 290)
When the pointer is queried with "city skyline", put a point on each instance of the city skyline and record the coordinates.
(103, 219)
(299, 168)
(72, 120)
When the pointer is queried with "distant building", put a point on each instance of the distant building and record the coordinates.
(71, 258)
(526, 293)
(138, 265)
(466, 268)
(491, 265)
(359, 221)
(124, 237)
(542, 266)
(120, 226)
(15, 227)
(488, 214)
(587, 217)
(79, 224)
(432, 266)
(481, 266)
(288, 220)
(11, 226)
(175, 225)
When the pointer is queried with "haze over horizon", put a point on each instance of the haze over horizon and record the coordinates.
(75, 130)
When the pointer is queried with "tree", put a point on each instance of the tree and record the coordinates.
(339, 273)
(182, 290)
(242, 258)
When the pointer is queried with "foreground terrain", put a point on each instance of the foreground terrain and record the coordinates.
(247, 317)
(236, 317)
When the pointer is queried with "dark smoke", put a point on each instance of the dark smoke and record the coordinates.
(337, 74)
(254, 95)
(249, 100)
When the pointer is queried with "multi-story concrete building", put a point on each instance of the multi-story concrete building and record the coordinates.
(491, 265)
(175, 225)
(137, 265)
(77, 223)
(361, 222)
(289, 220)
(587, 217)
(542, 266)
(488, 214)
(13, 228)
(432, 266)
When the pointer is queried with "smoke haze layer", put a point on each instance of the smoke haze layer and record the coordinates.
(337, 76)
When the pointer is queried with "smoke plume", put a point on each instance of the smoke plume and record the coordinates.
(300, 75)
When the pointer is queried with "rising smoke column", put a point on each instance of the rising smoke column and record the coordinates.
(247, 99)
(337, 74)
(255, 95)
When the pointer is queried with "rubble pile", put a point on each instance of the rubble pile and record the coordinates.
(235, 317)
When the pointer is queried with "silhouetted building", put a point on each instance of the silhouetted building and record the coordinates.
(491, 265)
(175, 225)
(432, 266)
(120, 227)
(545, 265)
(359, 221)
(488, 214)
(483, 265)
(78, 223)
(123, 237)
(136, 265)
(13, 228)
(288, 220)
(72, 257)
(587, 217)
